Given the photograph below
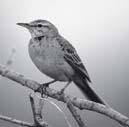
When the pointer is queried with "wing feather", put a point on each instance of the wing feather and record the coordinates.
(72, 57)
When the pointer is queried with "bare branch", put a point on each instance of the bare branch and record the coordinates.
(80, 103)
(76, 116)
(33, 109)
(40, 107)
(37, 114)
(15, 121)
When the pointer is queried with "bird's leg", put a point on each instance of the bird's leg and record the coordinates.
(44, 86)
(63, 89)
(48, 83)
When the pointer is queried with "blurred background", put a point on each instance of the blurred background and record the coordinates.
(98, 29)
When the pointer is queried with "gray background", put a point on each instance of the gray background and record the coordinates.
(99, 30)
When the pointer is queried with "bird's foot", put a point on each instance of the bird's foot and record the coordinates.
(61, 92)
(42, 88)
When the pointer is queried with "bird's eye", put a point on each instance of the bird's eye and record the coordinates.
(39, 25)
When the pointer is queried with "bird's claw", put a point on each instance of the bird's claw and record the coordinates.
(42, 88)
(61, 92)
(38, 89)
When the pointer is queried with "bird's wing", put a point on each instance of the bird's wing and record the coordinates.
(72, 57)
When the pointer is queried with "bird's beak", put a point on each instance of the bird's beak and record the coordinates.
(26, 25)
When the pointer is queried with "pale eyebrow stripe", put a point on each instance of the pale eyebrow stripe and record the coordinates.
(45, 24)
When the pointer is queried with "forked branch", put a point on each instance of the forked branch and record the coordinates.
(37, 113)
(79, 103)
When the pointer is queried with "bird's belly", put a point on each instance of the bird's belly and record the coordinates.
(52, 64)
(51, 69)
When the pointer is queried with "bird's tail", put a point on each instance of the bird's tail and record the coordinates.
(88, 92)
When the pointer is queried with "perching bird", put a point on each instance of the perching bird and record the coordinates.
(57, 58)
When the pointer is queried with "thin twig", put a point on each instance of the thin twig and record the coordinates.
(58, 108)
(10, 61)
(15, 121)
(33, 109)
(80, 103)
(37, 114)
(40, 107)
(76, 116)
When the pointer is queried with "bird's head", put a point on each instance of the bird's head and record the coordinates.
(39, 28)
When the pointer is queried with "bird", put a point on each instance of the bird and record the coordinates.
(55, 57)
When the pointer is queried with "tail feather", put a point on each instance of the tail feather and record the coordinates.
(88, 92)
